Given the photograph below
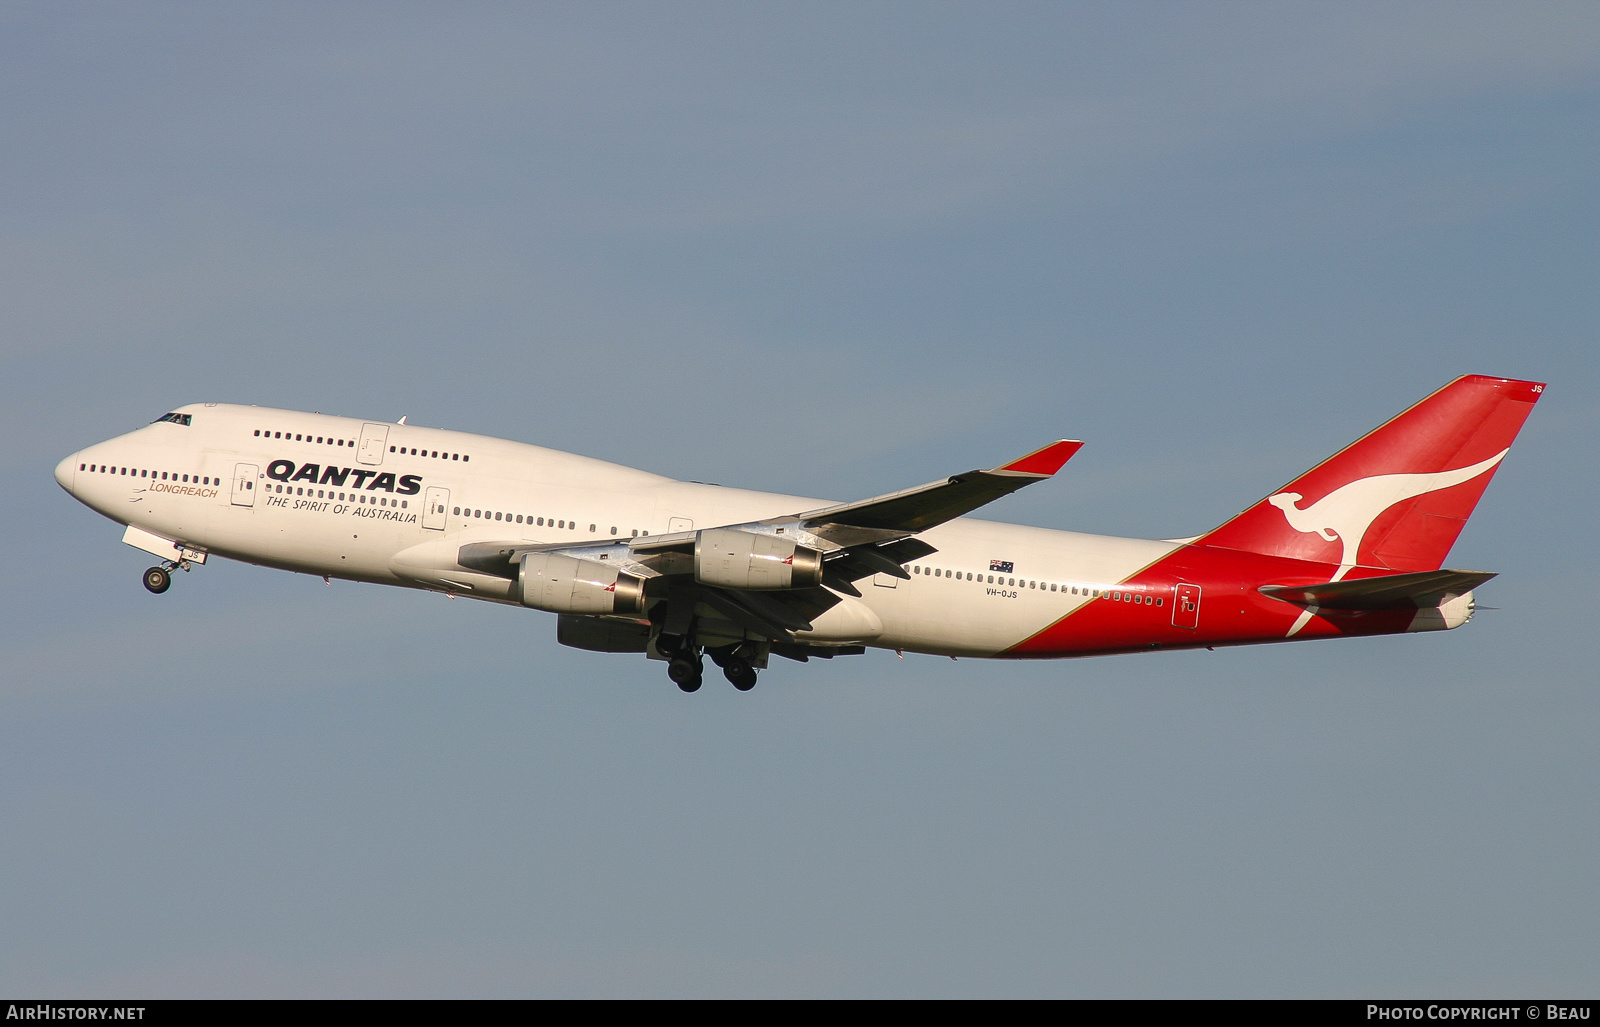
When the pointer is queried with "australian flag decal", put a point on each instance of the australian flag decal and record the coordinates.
(1001, 566)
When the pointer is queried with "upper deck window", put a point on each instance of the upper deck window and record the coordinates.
(174, 418)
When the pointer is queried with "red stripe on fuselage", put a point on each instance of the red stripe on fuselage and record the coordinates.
(1232, 611)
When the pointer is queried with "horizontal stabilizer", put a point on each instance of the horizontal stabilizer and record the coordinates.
(1419, 590)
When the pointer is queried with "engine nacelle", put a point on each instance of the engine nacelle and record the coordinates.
(602, 636)
(568, 584)
(745, 559)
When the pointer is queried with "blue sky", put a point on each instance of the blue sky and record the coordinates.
(829, 250)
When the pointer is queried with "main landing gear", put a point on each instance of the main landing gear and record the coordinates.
(683, 661)
(735, 661)
(739, 672)
(159, 579)
(686, 668)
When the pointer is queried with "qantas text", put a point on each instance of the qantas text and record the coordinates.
(316, 474)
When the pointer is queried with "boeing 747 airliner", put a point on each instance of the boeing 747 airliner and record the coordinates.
(632, 562)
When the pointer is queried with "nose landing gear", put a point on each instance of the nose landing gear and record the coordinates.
(159, 579)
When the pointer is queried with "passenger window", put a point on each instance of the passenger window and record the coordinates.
(591, 529)
(458, 511)
(497, 516)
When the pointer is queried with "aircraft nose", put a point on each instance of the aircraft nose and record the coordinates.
(65, 471)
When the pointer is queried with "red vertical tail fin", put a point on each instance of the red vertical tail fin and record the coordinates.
(1397, 497)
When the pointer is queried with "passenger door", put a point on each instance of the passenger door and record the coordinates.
(374, 437)
(244, 484)
(436, 505)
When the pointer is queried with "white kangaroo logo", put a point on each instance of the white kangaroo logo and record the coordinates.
(1345, 514)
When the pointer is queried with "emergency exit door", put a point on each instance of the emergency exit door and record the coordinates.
(1186, 606)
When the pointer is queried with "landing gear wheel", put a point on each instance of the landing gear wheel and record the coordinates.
(740, 673)
(157, 580)
(685, 672)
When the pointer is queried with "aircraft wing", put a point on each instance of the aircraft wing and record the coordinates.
(873, 536)
(913, 510)
(898, 515)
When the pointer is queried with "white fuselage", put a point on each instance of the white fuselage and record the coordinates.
(265, 486)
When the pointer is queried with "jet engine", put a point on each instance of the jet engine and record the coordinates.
(568, 584)
(734, 558)
(602, 636)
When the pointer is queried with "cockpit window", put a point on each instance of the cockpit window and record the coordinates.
(174, 418)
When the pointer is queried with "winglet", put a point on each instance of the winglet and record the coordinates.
(1043, 462)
